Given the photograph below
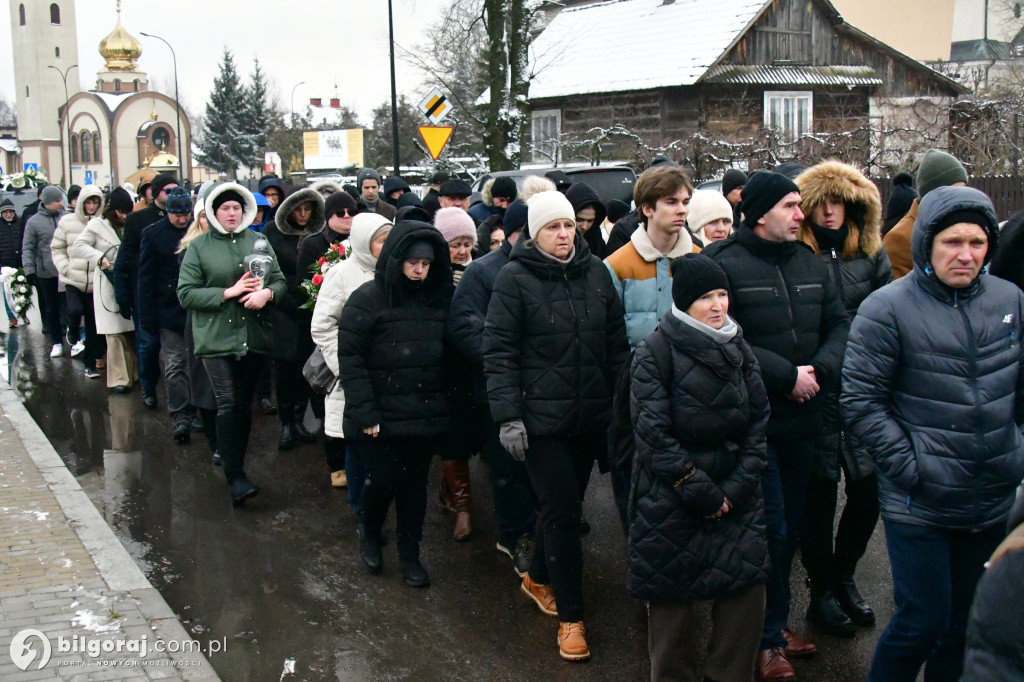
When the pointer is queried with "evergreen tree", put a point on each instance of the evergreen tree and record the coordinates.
(221, 147)
(378, 149)
(255, 118)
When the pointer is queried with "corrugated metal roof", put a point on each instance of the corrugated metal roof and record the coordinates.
(635, 44)
(849, 76)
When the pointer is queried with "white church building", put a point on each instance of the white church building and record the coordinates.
(104, 136)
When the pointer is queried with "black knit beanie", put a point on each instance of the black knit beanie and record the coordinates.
(338, 201)
(732, 179)
(694, 275)
(763, 190)
(515, 217)
(617, 209)
(229, 195)
(120, 200)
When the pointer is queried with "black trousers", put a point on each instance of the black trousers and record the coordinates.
(396, 469)
(233, 380)
(292, 391)
(559, 469)
(824, 565)
(80, 304)
(334, 449)
(49, 308)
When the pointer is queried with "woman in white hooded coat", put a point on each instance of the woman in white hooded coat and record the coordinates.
(98, 244)
(76, 276)
(369, 230)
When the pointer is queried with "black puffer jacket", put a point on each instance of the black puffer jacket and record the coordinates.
(157, 294)
(469, 312)
(126, 267)
(855, 274)
(391, 348)
(703, 443)
(11, 237)
(581, 195)
(933, 386)
(291, 323)
(791, 314)
(554, 342)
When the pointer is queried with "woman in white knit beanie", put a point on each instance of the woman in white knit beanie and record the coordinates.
(710, 217)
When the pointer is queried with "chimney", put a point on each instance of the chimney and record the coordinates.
(335, 103)
(315, 102)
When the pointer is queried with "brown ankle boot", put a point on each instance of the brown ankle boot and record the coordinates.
(572, 642)
(456, 479)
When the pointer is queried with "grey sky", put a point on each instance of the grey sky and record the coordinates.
(316, 41)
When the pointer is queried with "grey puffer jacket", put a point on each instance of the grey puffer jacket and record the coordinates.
(35, 247)
(933, 386)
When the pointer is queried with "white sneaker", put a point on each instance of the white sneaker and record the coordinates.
(57, 350)
(78, 349)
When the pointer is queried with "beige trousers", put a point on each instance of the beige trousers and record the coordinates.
(122, 367)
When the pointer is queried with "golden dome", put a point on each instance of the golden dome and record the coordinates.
(162, 160)
(120, 49)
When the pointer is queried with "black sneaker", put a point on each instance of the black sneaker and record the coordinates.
(182, 434)
(149, 399)
(217, 461)
(91, 373)
(520, 552)
(196, 424)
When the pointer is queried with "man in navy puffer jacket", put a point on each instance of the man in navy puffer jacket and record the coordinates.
(933, 386)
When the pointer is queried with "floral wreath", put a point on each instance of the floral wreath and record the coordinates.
(16, 290)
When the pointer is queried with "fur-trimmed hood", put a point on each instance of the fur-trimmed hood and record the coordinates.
(248, 211)
(863, 202)
(316, 221)
(326, 187)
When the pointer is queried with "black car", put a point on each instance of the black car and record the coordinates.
(610, 182)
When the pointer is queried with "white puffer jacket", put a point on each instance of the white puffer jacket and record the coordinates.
(98, 241)
(73, 271)
(339, 283)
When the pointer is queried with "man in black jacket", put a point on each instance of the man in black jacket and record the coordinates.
(160, 312)
(515, 512)
(126, 281)
(793, 318)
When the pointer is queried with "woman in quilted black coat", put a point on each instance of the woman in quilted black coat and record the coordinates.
(391, 366)
(697, 528)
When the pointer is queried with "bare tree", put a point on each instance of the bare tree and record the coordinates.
(8, 114)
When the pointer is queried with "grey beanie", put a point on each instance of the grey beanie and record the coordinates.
(366, 174)
(939, 169)
(50, 194)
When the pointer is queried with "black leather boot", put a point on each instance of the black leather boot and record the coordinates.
(303, 434)
(824, 613)
(289, 438)
(852, 603)
(369, 551)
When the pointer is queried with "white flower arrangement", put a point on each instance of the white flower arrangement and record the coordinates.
(29, 178)
(16, 290)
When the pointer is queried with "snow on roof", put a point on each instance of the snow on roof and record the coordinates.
(10, 145)
(635, 44)
(111, 100)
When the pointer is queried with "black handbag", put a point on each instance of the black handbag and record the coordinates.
(318, 375)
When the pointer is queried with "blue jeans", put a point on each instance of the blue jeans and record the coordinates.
(147, 348)
(934, 573)
(784, 483)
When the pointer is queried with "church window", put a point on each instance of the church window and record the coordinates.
(74, 148)
(26, 91)
(96, 148)
(55, 14)
(117, 85)
(135, 83)
(86, 147)
(21, 14)
(161, 138)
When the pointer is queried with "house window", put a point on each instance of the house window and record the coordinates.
(74, 148)
(86, 140)
(789, 113)
(546, 126)
(21, 15)
(55, 14)
(96, 148)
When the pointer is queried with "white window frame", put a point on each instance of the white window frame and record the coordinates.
(792, 130)
(539, 142)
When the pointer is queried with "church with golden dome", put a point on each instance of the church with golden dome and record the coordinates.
(116, 132)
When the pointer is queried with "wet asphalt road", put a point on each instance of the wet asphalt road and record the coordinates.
(281, 579)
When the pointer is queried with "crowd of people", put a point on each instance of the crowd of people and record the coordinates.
(728, 357)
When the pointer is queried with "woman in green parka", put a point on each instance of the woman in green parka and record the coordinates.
(231, 326)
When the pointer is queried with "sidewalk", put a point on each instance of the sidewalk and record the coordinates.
(65, 575)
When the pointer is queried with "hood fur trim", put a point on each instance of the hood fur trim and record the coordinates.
(248, 211)
(316, 221)
(326, 187)
(863, 202)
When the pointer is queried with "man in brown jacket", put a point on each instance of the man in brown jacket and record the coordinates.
(937, 169)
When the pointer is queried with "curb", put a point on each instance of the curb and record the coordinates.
(117, 568)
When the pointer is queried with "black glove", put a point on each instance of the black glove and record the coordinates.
(33, 281)
(126, 313)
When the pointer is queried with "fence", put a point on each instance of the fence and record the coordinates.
(1006, 192)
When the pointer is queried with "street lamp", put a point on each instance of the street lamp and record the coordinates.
(394, 96)
(67, 112)
(177, 106)
(293, 100)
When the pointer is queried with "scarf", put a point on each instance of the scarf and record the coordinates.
(723, 335)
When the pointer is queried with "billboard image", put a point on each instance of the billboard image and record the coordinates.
(330, 149)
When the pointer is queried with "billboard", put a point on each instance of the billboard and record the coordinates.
(330, 149)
